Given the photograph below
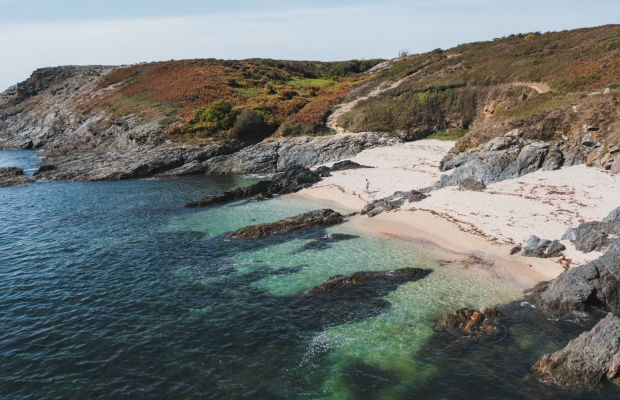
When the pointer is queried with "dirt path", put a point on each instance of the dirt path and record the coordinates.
(332, 120)
(537, 86)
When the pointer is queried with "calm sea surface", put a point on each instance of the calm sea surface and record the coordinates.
(113, 290)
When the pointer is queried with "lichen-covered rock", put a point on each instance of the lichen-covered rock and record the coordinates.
(392, 202)
(590, 359)
(536, 247)
(291, 181)
(343, 283)
(325, 217)
(10, 176)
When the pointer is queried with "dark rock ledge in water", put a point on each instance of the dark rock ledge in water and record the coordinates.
(357, 280)
(325, 217)
(589, 360)
(291, 181)
(469, 323)
(10, 176)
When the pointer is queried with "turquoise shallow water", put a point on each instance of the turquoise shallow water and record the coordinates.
(112, 290)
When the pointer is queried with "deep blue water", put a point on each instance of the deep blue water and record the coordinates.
(113, 290)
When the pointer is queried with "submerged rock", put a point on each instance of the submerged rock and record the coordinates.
(343, 283)
(392, 202)
(468, 322)
(325, 217)
(10, 176)
(590, 359)
(536, 247)
(579, 288)
(291, 181)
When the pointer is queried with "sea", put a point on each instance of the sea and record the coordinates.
(114, 290)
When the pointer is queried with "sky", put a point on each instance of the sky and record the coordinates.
(43, 33)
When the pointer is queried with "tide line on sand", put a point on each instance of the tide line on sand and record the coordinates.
(543, 203)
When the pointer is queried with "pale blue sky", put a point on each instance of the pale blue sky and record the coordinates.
(40, 33)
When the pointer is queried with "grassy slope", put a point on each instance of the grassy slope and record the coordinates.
(287, 92)
(468, 86)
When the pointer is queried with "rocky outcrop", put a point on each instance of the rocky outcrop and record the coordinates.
(595, 235)
(325, 217)
(579, 288)
(280, 155)
(471, 185)
(502, 158)
(291, 181)
(468, 322)
(96, 165)
(345, 165)
(10, 176)
(392, 202)
(365, 280)
(590, 359)
(537, 247)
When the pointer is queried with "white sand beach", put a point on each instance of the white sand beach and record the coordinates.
(542, 203)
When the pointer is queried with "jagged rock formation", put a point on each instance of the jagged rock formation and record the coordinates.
(595, 235)
(325, 217)
(293, 180)
(537, 247)
(365, 280)
(280, 155)
(13, 176)
(468, 322)
(392, 202)
(502, 158)
(579, 288)
(590, 359)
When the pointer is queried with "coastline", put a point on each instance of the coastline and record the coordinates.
(486, 224)
(442, 239)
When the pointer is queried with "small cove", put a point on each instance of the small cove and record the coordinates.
(112, 289)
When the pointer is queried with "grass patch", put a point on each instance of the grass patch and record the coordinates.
(452, 134)
(326, 85)
(250, 92)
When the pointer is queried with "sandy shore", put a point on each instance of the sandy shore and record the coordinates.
(487, 223)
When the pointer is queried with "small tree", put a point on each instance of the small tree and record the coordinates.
(220, 114)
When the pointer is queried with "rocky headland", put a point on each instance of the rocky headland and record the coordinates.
(10, 176)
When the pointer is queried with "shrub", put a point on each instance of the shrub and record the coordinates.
(250, 125)
(344, 68)
(220, 114)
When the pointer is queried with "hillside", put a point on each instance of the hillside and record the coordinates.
(122, 122)
(549, 85)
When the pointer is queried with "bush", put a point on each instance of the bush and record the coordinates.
(220, 114)
(250, 125)
(344, 68)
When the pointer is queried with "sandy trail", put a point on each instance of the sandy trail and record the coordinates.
(543, 203)
(539, 87)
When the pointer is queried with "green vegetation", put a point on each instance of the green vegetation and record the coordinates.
(450, 134)
(346, 68)
(250, 126)
(220, 115)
